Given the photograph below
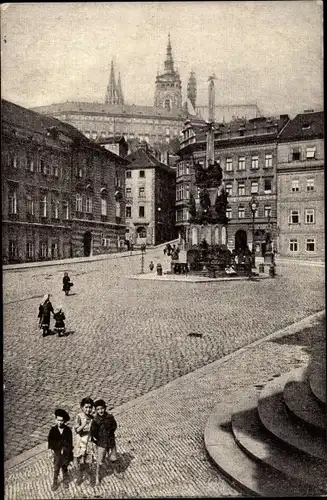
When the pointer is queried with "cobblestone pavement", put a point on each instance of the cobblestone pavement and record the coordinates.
(128, 337)
(160, 434)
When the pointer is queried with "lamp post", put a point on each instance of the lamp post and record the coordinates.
(159, 226)
(254, 207)
(143, 247)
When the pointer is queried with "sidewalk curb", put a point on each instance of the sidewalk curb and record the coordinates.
(288, 330)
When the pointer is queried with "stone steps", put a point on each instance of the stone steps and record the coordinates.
(240, 470)
(301, 403)
(274, 416)
(269, 443)
(257, 443)
(317, 381)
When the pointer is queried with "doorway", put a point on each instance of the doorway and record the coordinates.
(87, 240)
(241, 240)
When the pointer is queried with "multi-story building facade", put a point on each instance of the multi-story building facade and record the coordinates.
(247, 153)
(150, 199)
(300, 187)
(62, 195)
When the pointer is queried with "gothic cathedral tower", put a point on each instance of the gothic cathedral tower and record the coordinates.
(168, 92)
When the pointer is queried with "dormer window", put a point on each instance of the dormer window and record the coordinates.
(306, 126)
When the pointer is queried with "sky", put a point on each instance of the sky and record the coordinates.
(264, 52)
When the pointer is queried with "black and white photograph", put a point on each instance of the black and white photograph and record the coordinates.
(163, 249)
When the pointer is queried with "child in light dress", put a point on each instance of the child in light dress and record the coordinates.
(83, 449)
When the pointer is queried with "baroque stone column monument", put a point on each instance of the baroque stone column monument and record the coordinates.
(208, 219)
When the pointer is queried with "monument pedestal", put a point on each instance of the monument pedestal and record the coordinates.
(214, 234)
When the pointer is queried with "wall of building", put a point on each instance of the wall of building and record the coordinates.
(301, 189)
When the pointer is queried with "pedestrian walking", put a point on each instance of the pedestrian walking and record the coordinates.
(45, 309)
(60, 441)
(168, 249)
(66, 284)
(151, 266)
(59, 317)
(165, 250)
(83, 450)
(102, 432)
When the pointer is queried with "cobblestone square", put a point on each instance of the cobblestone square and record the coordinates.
(129, 337)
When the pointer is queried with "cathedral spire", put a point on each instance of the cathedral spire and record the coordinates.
(191, 89)
(111, 89)
(120, 94)
(169, 62)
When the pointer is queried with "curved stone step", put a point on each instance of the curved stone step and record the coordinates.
(303, 405)
(236, 466)
(273, 415)
(317, 380)
(257, 443)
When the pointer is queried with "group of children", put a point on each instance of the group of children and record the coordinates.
(46, 308)
(93, 441)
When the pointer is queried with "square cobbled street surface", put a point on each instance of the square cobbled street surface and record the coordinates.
(127, 338)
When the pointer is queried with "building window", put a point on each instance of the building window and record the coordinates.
(267, 185)
(103, 206)
(43, 250)
(296, 154)
(29, 205)
(241, 189)
(44, 206)
(30, 250)
(295, 217)
(310, 184)
(80, 171)
(128, 174)
(128, 212)
(79, 207)
(15, 161)
(268, 160)
(55, 168)
(187, 192)
(310, 153)
(30, 163)
(141, 192)
(310, 245)
(229, 164)
(13, 202)
(254, 187)
(55, 209)
(141, 211)
(241, 163)
(295, 186)
(255, 162)
(229, 213)
(293, 245)
(65, 209)
(142, 173)
(13, 248)
(309, 216)
(241, 212)
(229, 189)
(128, 192)
(179, 192)
(267, 210)
(88, 204)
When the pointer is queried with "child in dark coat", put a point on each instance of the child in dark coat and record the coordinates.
(45, 309)
(66, 284)
(102, 433)
(59, 317)
(60, 441)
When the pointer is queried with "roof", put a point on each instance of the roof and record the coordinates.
(110, 109)
(304, 126)
(113, 139)
(143, 159)
(27, 119)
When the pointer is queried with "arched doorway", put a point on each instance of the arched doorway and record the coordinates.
(87, 241)
(241, 240)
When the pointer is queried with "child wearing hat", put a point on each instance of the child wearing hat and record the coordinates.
(102, 432)
(60, 441)
(59, 317)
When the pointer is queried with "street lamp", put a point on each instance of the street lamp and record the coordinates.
(143, 248)
(254, 207)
